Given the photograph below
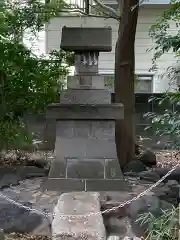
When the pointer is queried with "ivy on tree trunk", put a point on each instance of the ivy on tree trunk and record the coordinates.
(124, 79)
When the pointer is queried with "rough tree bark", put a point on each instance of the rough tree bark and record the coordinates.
(124, 79)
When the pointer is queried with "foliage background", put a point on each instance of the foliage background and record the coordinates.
(28, 83)
(167, 123)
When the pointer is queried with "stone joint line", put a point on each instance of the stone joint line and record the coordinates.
(91, 214)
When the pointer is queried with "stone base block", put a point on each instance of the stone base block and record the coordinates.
(106, 185)
(91, 168)
(90, 96)
(63, 185)
(85, 82)
(60, 111)
(69, 185)
(78, 227)
(86, 39)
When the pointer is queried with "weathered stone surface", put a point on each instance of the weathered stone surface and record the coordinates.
(16, 219)
(105, 185)
(86, 129)
(85, 148)
(94, 82)
(91, 96)
(86, 168)
(170, 191)
(86, 39)
(115, 225)
(149, 176)
(147, 203)
(80, 203)
(58, 168)
(157, 173)
(112, 169)
(6, 171)
(123, 227)
(114, 220)
(118, 212)
(31, 171)
(175, 175)
(12, 175)
(8, 176)
(134, 166)
(64, 185)
(148, 158)
(49, 134)
(84, 69)
(85, 132)
(9, 179)
(85, 111)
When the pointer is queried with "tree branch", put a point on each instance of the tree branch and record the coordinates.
(139, 4)
(90, 15)
(112, 12)
(103, 12)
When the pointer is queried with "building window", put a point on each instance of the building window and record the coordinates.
(143, 83)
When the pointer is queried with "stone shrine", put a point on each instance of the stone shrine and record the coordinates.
(85, 150)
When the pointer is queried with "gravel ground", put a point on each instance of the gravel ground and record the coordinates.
(16, 236)
(165, 158)
(168, 158)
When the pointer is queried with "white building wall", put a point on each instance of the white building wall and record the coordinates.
(147, 16)
(36, 43)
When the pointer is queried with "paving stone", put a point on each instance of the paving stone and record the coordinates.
(12, 175)
(65, 185)
(5, 181)
(30, 171)
(16, 219)
(105, 185)
(10, 179)
(78, 203)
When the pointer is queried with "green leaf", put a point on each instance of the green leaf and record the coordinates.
(27, 83)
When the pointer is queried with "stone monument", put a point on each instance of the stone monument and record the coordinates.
(85, 150)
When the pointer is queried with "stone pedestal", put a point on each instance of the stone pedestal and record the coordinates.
(85, 149)
(78, 204)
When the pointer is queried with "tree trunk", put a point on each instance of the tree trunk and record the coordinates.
(124, 80)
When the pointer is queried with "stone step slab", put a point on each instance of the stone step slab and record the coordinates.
(78, 203)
